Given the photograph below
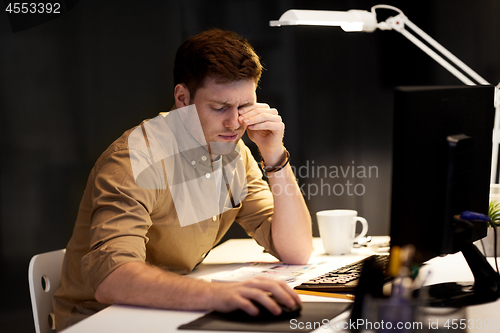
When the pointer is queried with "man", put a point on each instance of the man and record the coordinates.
(165, 193)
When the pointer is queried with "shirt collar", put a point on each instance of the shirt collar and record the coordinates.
(194, 152)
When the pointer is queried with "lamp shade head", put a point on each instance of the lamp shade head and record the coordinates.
(352, 20)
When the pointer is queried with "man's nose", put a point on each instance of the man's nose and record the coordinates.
(231, 122)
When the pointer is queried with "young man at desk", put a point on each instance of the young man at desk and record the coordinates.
(162, 195)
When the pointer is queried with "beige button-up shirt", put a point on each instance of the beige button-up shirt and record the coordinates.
(124, 218)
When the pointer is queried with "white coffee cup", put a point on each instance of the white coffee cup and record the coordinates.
(337, 229)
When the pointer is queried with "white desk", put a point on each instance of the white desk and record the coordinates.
(232, 255)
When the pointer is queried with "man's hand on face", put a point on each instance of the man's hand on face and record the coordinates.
(264, 127)
(232, 296)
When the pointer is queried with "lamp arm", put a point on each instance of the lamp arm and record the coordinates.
(447, 53)
(437, 57)
(398, 23)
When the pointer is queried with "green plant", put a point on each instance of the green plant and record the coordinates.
(494, 213)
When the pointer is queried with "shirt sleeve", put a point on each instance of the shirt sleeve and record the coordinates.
(255, 215)
(119, 220)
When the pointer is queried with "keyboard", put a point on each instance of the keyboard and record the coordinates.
(343, 279)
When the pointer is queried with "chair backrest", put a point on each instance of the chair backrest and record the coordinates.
(44, 274)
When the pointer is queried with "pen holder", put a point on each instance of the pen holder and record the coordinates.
(390, 315)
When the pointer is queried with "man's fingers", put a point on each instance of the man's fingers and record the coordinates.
(271, 126)
(265, 291)
(255, 293)
(256, 112)
(265, 300)
(236, 296)
(279, 289)
(249, 307)
(285, 295)
(262, 118)
(247, 108)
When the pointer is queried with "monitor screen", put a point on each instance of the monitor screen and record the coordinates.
(441, 163)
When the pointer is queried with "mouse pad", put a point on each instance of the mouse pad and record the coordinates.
(312, 312)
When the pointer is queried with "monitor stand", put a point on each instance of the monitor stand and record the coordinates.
(486, 286)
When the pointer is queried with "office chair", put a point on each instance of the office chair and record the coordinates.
(44, 274)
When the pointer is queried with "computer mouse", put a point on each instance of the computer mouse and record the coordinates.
(264, 313)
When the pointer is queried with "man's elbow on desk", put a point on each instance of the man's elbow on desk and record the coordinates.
(297, 256)
(303, 260)
(293, 242)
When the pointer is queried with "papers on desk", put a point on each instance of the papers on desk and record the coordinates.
(283, 272)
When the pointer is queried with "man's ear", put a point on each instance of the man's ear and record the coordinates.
(181, 95)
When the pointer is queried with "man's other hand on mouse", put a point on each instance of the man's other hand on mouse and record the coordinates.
(239, 295)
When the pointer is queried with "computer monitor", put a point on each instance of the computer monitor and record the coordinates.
(441, 167)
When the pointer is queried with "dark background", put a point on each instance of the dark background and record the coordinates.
(70, 86)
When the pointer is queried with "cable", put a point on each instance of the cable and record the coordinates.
(495, 246)
(482, 245)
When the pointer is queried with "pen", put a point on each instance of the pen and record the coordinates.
(323, 294)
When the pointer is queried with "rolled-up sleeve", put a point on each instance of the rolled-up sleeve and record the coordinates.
(119, 218)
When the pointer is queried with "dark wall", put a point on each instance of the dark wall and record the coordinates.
(70, 86)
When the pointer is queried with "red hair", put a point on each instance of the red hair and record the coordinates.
(219, 54)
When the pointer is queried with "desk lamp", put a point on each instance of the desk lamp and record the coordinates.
(362, 20)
